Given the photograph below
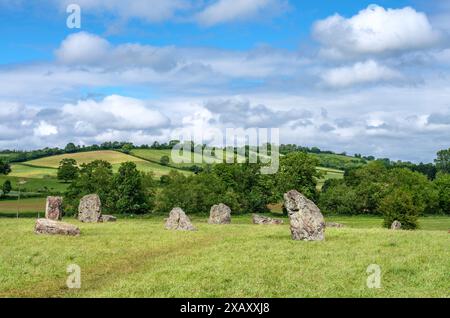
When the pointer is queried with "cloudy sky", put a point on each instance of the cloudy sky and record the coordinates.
(354, 76)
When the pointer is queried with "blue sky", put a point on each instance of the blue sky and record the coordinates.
(357, 76)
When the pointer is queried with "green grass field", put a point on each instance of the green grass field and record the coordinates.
(138, 258)
(47, 167)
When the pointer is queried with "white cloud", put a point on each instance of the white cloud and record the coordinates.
(359, 73)
(45, 129)
(115, 112)
(223, 11)
(82, 48)
(376, 30)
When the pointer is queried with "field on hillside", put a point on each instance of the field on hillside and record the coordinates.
(36, 184)
(30, 207)
(138, 258)
(48, 165)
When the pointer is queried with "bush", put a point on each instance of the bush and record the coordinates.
(399, 206)
(442, 186)
(339, 198)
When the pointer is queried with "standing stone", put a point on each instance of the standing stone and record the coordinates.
(220, 214)
(108, 218)
(259, 219)
(46, 226)
(396, 225)
(53, 208)
(90, 209)
(307, 222)
(178, 220)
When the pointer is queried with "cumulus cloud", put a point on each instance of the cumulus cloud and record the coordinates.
(241, 113)
(45, 129)
(376, 30)
(359, 73)
(88, 49)
(223, 11)
(115, 112)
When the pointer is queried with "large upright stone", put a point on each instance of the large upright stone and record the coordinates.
(178, 220)
(90, 209)
(53, 208)
(307, 222)
(51, 227)
(220, 214)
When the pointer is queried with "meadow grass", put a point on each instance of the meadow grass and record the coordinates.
(27, 171)
(138, 258)
(29, 207)
(36, 184)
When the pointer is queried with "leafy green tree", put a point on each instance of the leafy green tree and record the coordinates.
(339, 198)
(399, 205)
(443, 161)
(70, 148)
(6, 188)
(442, 185)
(130, 196)
(298, 171)
(5, 168)
(370, 183)
(195, 194)
(127, 148)
(165, 160)
(94, 177)
(421, 190)
(68, 170)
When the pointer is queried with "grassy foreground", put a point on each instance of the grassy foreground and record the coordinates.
(138, 258)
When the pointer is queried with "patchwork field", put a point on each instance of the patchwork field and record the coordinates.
(47, 167)
(138, 258)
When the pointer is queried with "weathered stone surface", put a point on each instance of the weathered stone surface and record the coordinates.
(53, 208)
(220, 214)
(90, 209)
(396, 225)
(46, 226)
(306, 220)
(334, 224)
(178, 220)
(259, 219)
(108, 218)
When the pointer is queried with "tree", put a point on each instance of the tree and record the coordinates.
(5, 168)
(126, 148)
(399, 206)
(339, 198)
(6, 187)
(68, 170)
(165, 160)
(94, 177)
(70, 148)
(442, 185)
(298, 172)
(129, 193)
(443, 161)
